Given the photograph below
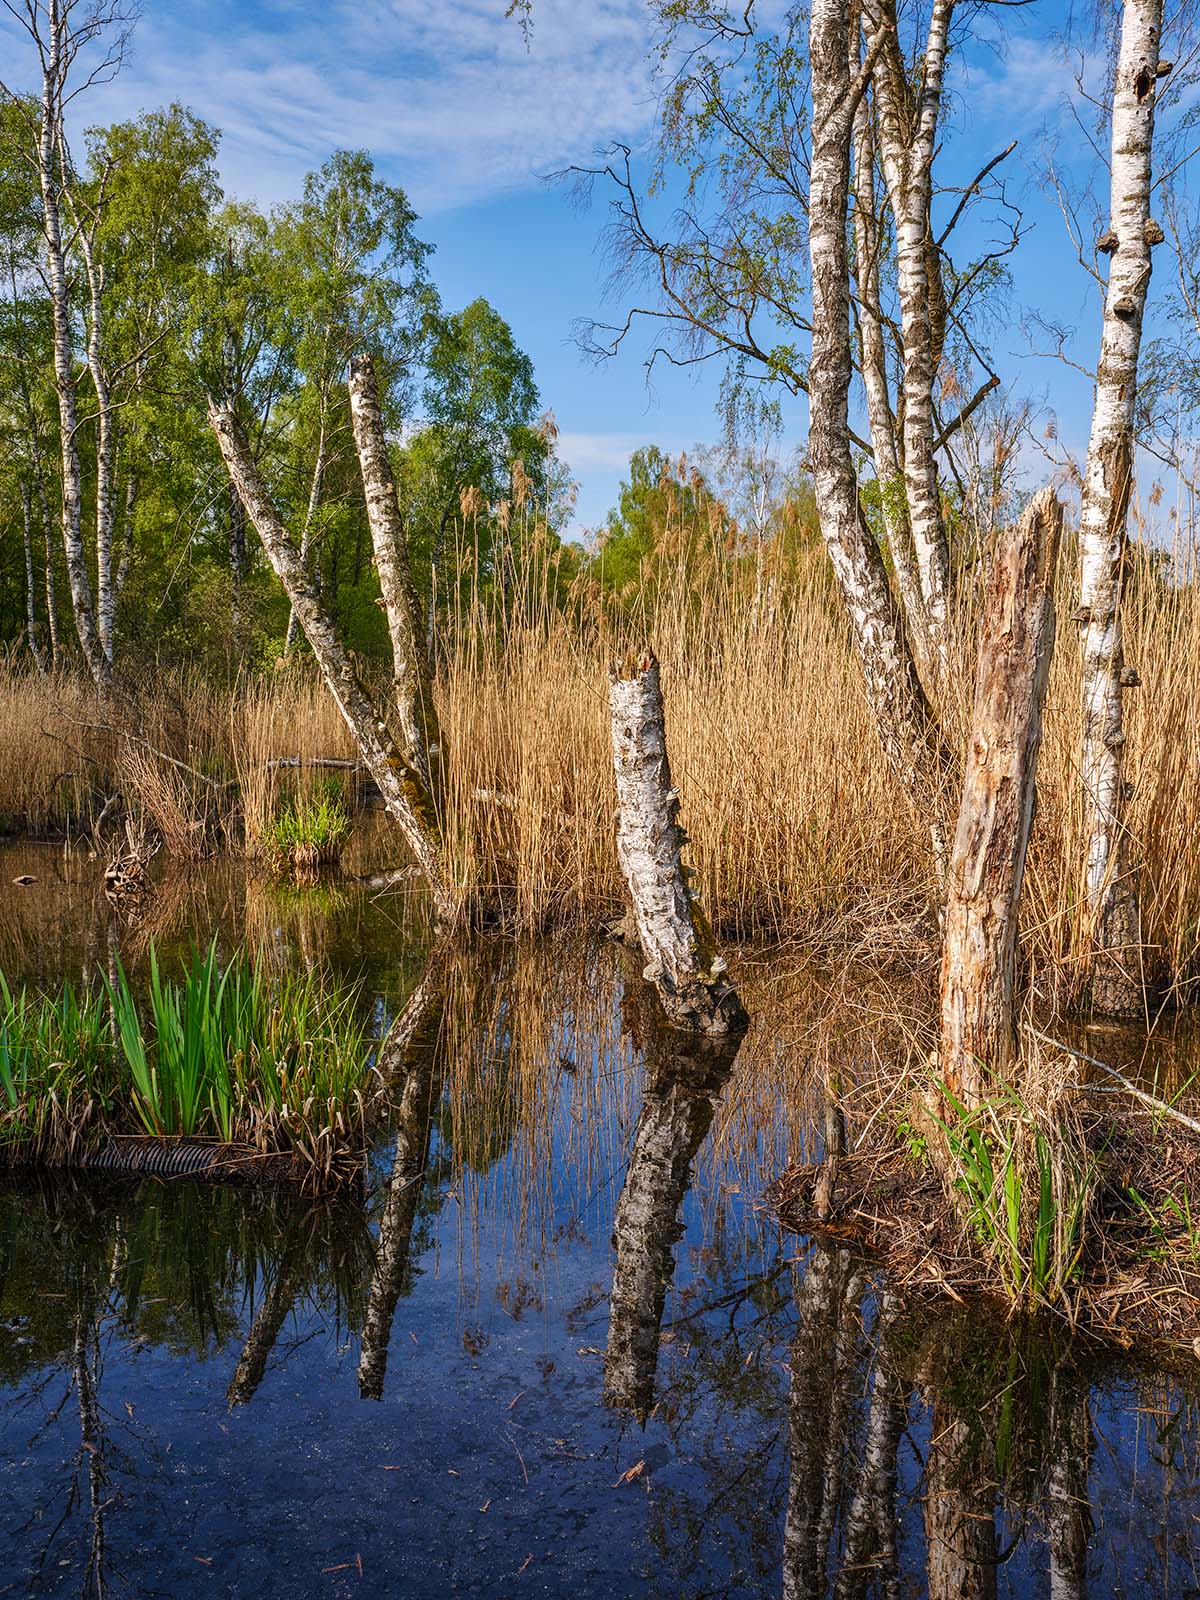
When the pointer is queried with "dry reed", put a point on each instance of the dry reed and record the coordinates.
(797, 827)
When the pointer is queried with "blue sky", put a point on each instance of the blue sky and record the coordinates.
(455, 108)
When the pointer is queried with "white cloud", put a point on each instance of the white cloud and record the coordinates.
(447, 97)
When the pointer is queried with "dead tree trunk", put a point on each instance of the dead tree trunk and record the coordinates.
(907, 728)
(961, 1548)
(681, 954)
(685, 1076)
(978, 1037)
(405, 795)
(1111, 895)
(415, 711)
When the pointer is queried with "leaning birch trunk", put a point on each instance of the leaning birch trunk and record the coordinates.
(415, 711)
(908, 167)
(1111, 895)
(411, 1048)
(405, 796)
(907, 728)
(677, 942)
(978, 1036)
(278, 1299)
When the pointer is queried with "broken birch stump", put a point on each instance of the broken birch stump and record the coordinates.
(678, 945)
(987, 864)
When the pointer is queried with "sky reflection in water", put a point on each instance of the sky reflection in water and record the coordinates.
(466, 1384)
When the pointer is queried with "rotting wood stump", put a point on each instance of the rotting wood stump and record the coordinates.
(682, 961)
(1016, 641)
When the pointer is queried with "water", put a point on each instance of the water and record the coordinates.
(460, 1382)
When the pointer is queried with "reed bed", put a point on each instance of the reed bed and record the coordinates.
(217, 1054)
(797, 828)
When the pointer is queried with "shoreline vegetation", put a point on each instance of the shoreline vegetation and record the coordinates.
(221, 1071)
(875, 747)
(795, 830)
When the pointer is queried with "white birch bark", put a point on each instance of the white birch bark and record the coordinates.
(106, 595)
(907, 728)
(413, 687)
(310, 516)
(1111, 894)
(55, 59)
(873, 366)
(684, 1080)
(30, 607)
(126, 559)
(906, 146)
(682, 961)
(405, 796)
(987, 866)
(412, 1045)
(51, 584)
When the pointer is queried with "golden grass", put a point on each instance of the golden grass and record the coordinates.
(797, 826)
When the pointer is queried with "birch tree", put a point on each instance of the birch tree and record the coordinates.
(415, 711)
(1113, 925)
(906, 724)
(405, 795)
(908, 124)
(762, 135)
(61, 32)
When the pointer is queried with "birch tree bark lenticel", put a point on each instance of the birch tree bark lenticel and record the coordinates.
(1113, 931)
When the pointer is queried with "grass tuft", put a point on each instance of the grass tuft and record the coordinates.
(216, 1053)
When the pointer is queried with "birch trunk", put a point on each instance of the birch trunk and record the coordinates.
(237, 567)
(51, 585)
(405, 796)
(50, 135)
(684, 1079)
(126, 560)
(907, 146)
(907, 729)
(978, 1031)
(278, 1300)
(30, 608)
(873, 365)
(106, 595)
(825, 1376)
(413, 687)
(412, 1044)
(681, 954)
(1113, 935)
(310, 515)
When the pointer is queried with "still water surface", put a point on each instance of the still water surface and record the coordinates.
(554, 1348)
